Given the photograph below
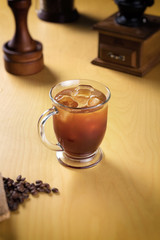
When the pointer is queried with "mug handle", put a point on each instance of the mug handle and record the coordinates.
(41, 130)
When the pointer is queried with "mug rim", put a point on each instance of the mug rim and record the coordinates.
(80, 108)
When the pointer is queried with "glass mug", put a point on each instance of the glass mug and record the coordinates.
(80, 125)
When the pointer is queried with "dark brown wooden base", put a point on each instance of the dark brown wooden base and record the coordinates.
(23, 63)
(133, 50)
(58, 18)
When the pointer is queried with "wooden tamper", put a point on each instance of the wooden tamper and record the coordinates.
(22, 54)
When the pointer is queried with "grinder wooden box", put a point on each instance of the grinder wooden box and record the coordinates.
(134, 50)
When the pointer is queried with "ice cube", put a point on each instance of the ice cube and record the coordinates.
(94, 101)
(67, 101)
(83, 91)
(81, 100)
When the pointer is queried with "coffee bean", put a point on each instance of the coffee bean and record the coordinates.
(34, 192)
(25, 195)
(19, 190)
(10, 203)
(15, 195)
(46, 190)
(32, 188)
(23, 179)
(27, 184)
(26, 191)
(38, 185)
(15, 206)
(4, 180)
(39, 181)
(55, 190)
(40, 189)
(9, 184)
(47, 185)
(19, 178)
(15, 184)
(21, 199)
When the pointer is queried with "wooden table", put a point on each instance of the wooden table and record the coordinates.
(119, 199)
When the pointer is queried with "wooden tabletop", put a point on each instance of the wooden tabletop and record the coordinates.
(119, 199)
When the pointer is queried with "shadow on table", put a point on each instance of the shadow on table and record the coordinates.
(85, 22)
(152, 78)
(6, 230)
(45, 77)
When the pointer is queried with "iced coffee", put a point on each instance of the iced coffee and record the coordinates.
(79, 111)
(81, 120)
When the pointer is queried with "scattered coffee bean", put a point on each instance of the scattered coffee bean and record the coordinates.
(15, 195)
(19, 178)
(47, 185)
(55, 190)
(19, 190)
(46, 190)
(14, 206)
(38, 189)
(23, 179)
(26, 191)
(27, 184)
(34, 192)
(21, 199)
(38, 185)
(25, 196)
(39, 181)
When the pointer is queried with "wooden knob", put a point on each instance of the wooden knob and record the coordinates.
(22, 54)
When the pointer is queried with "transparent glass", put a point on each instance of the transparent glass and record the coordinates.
(79, 130)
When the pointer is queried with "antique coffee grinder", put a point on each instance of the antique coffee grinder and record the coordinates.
(129, 41)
